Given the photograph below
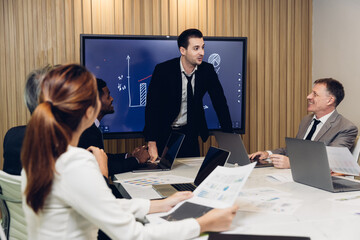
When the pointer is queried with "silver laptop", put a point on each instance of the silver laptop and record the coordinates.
(310, 166)
(239, 156)
(168, 155)
(214, 157)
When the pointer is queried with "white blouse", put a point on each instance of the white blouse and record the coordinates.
(80, 203)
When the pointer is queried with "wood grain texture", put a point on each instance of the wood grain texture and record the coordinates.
(38, 32)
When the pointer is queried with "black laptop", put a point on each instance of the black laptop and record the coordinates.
(168, 155)
(214, 157)
(309, 165)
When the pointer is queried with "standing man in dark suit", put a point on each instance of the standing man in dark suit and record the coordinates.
(117, 163)
(324, 125)
(175, 98)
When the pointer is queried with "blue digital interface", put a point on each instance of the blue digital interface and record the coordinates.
(126, 64)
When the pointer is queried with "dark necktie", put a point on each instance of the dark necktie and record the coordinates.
(190, 100)
(313, 128)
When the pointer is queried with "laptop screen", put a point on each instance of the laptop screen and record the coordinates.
(214, 157)
(171, 149)
(233, 143)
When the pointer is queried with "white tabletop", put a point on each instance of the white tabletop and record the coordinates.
(317, 217)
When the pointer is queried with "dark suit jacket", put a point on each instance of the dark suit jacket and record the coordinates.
(337, 131)
(164, 100)
(116, 162)
(12, 148)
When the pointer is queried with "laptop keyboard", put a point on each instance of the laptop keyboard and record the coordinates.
(343, 185)
(184, 187)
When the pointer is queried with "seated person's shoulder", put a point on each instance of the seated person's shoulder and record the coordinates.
(76, 162)
(14, 137)
(346, 123)
(15, 131)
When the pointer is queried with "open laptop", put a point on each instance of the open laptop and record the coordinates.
(239, 156)
(310, 166)
(214, 157)
(168, 155)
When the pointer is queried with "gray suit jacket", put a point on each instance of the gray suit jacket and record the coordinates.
(337, 131)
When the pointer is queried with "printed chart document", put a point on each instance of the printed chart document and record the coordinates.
(283, 177)
(219, 190)
(342, 161)
(267, 200)
(141, 187)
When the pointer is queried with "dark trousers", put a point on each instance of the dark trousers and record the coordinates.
(190, 146)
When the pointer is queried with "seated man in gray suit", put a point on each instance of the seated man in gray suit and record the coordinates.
(324, 125)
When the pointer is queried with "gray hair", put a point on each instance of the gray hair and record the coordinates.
(32, 87)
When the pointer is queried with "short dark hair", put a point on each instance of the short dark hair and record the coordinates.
(100, 85)
(183, 39)
(334, 87)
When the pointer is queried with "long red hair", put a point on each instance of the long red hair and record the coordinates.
(66, 93)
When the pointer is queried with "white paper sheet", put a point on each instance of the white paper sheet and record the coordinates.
(352, 199)
(222, 187)
(342, 161)
(141, 187)
(191, 161)
(267, 200)
(283, 177)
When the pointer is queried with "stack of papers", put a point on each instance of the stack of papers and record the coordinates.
(342, 161)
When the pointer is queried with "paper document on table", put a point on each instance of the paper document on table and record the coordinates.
(267, 200)
(141, 187)
(191, 161)
(262, 193)
(219, 190)
(283, 177)
(352, 199)
(342, 161)
(149, 180)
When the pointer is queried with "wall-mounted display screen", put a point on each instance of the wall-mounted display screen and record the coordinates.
(126, 63)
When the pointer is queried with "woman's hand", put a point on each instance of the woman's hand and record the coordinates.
(167, 204)
(101, 158)
(217, 220)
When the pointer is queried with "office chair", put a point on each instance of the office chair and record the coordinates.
(13, 219)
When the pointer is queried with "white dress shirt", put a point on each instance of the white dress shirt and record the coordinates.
(80, 203)
(322, 120)
(181, 119)
(97, 123)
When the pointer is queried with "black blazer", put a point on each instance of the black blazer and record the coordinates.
(164, 100)
(12, 148)
(117, 163)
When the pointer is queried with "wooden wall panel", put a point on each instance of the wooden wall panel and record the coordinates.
(38, 32)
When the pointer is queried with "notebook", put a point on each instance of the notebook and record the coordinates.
(214, 157)
(239, 156)
(168, 155)
(310, 166)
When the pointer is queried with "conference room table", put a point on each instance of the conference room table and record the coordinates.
(319, 214)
